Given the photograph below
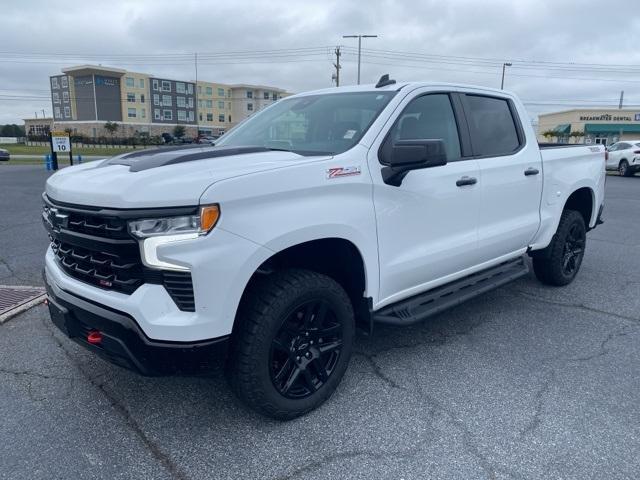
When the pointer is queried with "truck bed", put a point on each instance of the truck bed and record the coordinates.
(547, 145)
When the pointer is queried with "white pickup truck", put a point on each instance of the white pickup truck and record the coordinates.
(329, 209)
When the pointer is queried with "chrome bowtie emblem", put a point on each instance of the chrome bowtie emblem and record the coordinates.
(58, 219)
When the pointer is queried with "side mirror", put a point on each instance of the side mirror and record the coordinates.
(405, 155)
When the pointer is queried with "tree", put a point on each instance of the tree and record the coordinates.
(144, 138)
(112, 128)
(549, 134)
(12, 130)
(577, 135)
(179, 131)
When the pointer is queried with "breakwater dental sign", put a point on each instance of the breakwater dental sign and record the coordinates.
(610, 118)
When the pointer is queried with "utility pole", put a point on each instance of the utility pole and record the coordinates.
(620, 108)
(359, 37)
(195, 62)
(43, 115)
(337, 66)
(504, 65)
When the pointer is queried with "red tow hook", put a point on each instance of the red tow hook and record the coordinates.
(94, 337)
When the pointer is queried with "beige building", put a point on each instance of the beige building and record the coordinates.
(214, 107)
(596, 125)
(136, 102)
(38, 127)
(248, 99)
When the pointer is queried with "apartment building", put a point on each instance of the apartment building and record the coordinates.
(174, 102)
(135, 98)
(85, 97)
(214, 107)
(248, 99)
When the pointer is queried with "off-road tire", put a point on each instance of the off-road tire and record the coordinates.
(264, 310)
(548, 264)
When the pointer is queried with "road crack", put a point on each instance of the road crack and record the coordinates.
(604, 345)
(371, 359)
(539, 398)
(170, 466)
(350, 454)
(578, 306)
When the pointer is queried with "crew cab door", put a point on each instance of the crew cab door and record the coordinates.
(427, 226)
(510, 175)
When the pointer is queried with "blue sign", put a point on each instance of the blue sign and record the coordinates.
(106, 81)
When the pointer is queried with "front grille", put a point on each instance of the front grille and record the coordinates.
(96, 248)
(101, 226)
(106, 270)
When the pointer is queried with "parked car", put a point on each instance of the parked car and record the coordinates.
(624, 157)
(383, 203)
(208, 139)
(4, 155)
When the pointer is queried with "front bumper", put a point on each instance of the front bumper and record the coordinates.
(123, 342)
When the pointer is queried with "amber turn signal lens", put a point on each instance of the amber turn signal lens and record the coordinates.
(209, 217)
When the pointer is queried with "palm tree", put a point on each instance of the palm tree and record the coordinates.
(577, 135)
(549, 134)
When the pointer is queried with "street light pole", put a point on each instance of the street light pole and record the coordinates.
(359, 37)
(504, 65)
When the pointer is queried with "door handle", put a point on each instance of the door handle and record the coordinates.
(531, 171)
(466, 181)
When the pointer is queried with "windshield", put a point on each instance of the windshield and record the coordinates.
(311, 125)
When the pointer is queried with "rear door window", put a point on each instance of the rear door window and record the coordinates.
(492, 126)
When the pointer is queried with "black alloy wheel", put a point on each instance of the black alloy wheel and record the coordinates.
(292, 343)
(559, 263)
(573, 250)
(306, 349)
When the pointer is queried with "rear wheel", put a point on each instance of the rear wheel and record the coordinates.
(293, 343)
(558, 264)
(623, 169)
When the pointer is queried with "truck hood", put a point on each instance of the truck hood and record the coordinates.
(162, 178)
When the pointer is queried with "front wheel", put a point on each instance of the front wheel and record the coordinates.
(623, 169)
(558, 264)
(292, 344)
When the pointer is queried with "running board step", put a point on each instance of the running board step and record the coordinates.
(424, 305)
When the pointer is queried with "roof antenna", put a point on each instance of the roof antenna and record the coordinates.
(384, 81)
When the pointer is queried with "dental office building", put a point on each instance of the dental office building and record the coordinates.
(598, 126)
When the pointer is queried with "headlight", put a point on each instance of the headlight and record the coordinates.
(154, 232)
(200, 224)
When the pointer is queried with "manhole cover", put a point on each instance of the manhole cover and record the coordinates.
(17, 299)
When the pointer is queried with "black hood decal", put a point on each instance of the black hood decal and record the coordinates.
(160, 157)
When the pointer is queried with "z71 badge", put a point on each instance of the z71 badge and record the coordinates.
(342, 172)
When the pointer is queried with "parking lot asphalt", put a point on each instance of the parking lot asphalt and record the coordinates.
(526, 382)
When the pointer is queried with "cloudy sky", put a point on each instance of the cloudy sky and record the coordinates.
(564, 53)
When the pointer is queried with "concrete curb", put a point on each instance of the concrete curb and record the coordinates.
(29, 302)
